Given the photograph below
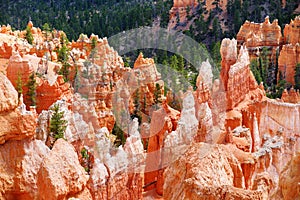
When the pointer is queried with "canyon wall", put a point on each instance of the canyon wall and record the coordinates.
(237, 79)
(291, 31)
(16, 122)
(260, 34)
(256, 36)
(288, 58)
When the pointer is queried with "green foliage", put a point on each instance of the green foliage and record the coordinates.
(65, 71)
(137, 112)
(126, 61)
(216, 56)
(63, 57)
(117, 131)
(32, 89)
(19, 87)
(47, 30)
(180, 64)
(282, 84)
(86, 160)
(216, 29)
(94, 42)
(254, 66)
(84, 153)
(102, 17)
(77, 83)
(174, 62)
(63, 53)
(57, 124)
(157, 94)
(28, 35)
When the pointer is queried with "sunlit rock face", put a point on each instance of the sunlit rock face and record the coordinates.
(19, 178)
(60, 173)
(237, 79)
(16, 122)
(291, 31)
(260, 34)
(209, 172)
(118, 172)
(287, 62)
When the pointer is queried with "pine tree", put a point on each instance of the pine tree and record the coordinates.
(180, 65)
(117, 131)
(77, 83)
(63, 53)
(32, 89)
(29, 36)
(174, 62)
(19, 85)
(63, 57)
(157, 94)
(57, 124)
(47, 29)
(94, 42)
(65, 71)
(255, 70)
(137, 106)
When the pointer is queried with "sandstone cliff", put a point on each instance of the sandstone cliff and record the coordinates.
(256, 36)
(237, 79)
(289, 180)
(260, 34)
(16, 122)
(289, 57)
(291, 31)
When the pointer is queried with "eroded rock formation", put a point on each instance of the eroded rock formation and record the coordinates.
(289, 187)
(260, 34)
(199, 170)
(236, 76)
(163, 122)
(291, 96)
(16, 122)
(291, 31)
(287, 61)
(250, 141)
(60, 174)
(19, 178)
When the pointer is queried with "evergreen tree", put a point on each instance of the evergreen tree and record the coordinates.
(255, 70)
(180, 66)
(77, 83)
(157, 94)
(47, 30)
(137, 106)
(19, 87)
(63, 57)
(63, 53)
(216, 29)
(174, 62)
(65, 71)
(57, 124)
(28, 35)
(216, 56)
(117, 131)
(94, 43)
(32, 89)
(282, 84)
